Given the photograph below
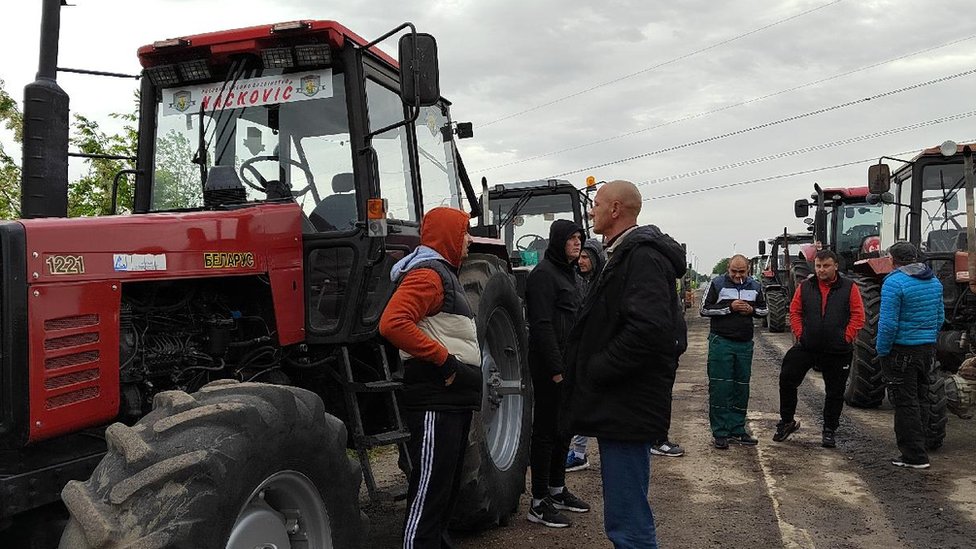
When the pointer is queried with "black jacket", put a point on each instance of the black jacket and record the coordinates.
(825, 332)
(717, 306)
(622, 352)
(552, 300)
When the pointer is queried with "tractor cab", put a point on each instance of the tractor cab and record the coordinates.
(523, 212)
(843, 221)
(304, 113)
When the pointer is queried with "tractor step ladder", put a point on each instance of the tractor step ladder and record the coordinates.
(363, 442)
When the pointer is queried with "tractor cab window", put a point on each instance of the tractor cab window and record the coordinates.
(271, 136)
(943, 208)
(392, 152)
(856, 223)
(435, 151)
(525, 223)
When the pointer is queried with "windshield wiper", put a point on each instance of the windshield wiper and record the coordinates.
(233, 75)
(515, 209)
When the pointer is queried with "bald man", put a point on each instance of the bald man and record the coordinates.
(621, 357)
(731, 303)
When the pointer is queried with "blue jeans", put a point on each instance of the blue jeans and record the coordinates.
(627, 516)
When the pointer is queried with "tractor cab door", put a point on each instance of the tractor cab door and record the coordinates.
(347, 269)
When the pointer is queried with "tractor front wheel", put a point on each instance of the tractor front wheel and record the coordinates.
(233, 466)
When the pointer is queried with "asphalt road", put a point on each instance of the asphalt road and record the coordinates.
(791, 495)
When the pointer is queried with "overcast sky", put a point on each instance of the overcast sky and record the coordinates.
(661, 76)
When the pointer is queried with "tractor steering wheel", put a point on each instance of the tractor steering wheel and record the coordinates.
(265, 185)
(535, 238)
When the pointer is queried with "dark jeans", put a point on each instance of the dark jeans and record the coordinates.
(549, 446)
(835, 369)
(907, 372)
(627, 516)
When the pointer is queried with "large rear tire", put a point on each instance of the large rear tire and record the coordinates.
(938, 410)
(497, 456)
(865, 387)
(234, 465)
(778, 311)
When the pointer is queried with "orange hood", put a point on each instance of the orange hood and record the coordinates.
(443, 229)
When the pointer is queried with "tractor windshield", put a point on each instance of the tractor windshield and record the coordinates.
(526, 219)
(856, 224)
(943, 213)
(273, 135)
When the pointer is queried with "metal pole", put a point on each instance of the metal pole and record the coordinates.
(47, 66)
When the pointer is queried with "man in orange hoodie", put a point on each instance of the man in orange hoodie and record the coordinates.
(430, 321)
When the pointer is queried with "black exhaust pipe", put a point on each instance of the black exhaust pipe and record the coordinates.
(44, 178)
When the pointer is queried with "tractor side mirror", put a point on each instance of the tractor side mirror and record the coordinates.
(762, 247)
(879, 178)
(419, 75)
(801, 208)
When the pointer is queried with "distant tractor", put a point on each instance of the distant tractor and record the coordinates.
(843, 221)
(523, 212)
(785, 268)
(924, 202)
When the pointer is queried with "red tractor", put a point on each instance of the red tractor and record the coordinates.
(226, 330)
(924, 202)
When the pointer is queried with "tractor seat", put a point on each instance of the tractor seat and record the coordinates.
(943, 240)
(337, 212)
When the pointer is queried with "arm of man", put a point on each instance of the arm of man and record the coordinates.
(710, 305)
(645, 327)
(796, 314)
(419, 295)
(540, 298)
(857, 315)
(759, 309)
(888, 317)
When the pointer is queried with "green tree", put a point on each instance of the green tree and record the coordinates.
(176, 182)
(12, 119)
(721, 267)
(92, 194)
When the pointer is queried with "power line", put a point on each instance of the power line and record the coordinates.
(780, 176)
(659, 65)
(770, 124)
(812, 148)
(727, 107)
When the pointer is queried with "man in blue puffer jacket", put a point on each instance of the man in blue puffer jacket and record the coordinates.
(912, 313)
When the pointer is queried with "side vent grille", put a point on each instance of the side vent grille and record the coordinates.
(71, 359)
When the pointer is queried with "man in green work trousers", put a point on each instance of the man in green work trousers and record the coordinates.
(731, 303)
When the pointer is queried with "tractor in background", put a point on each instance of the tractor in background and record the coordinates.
(785, 268)
(523, 212)
(206, 360)
(924, 201)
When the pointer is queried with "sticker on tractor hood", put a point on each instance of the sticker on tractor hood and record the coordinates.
(248, 92)
(228, 260)
(139, 262)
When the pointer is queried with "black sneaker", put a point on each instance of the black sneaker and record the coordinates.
(900, 461)
(722, 443)
(667, 449)
(566, 501)
(547, 515)
(745, 439)
(828, 439)
(784, 430)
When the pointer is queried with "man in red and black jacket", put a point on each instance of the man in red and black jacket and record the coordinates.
(825, 315)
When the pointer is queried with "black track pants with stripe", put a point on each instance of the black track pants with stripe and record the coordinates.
(436, 447)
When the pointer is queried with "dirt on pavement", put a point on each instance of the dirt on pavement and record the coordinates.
(792, 495)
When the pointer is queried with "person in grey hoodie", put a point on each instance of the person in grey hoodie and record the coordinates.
(590, 265)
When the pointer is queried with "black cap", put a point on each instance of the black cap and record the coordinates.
(904, 253)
